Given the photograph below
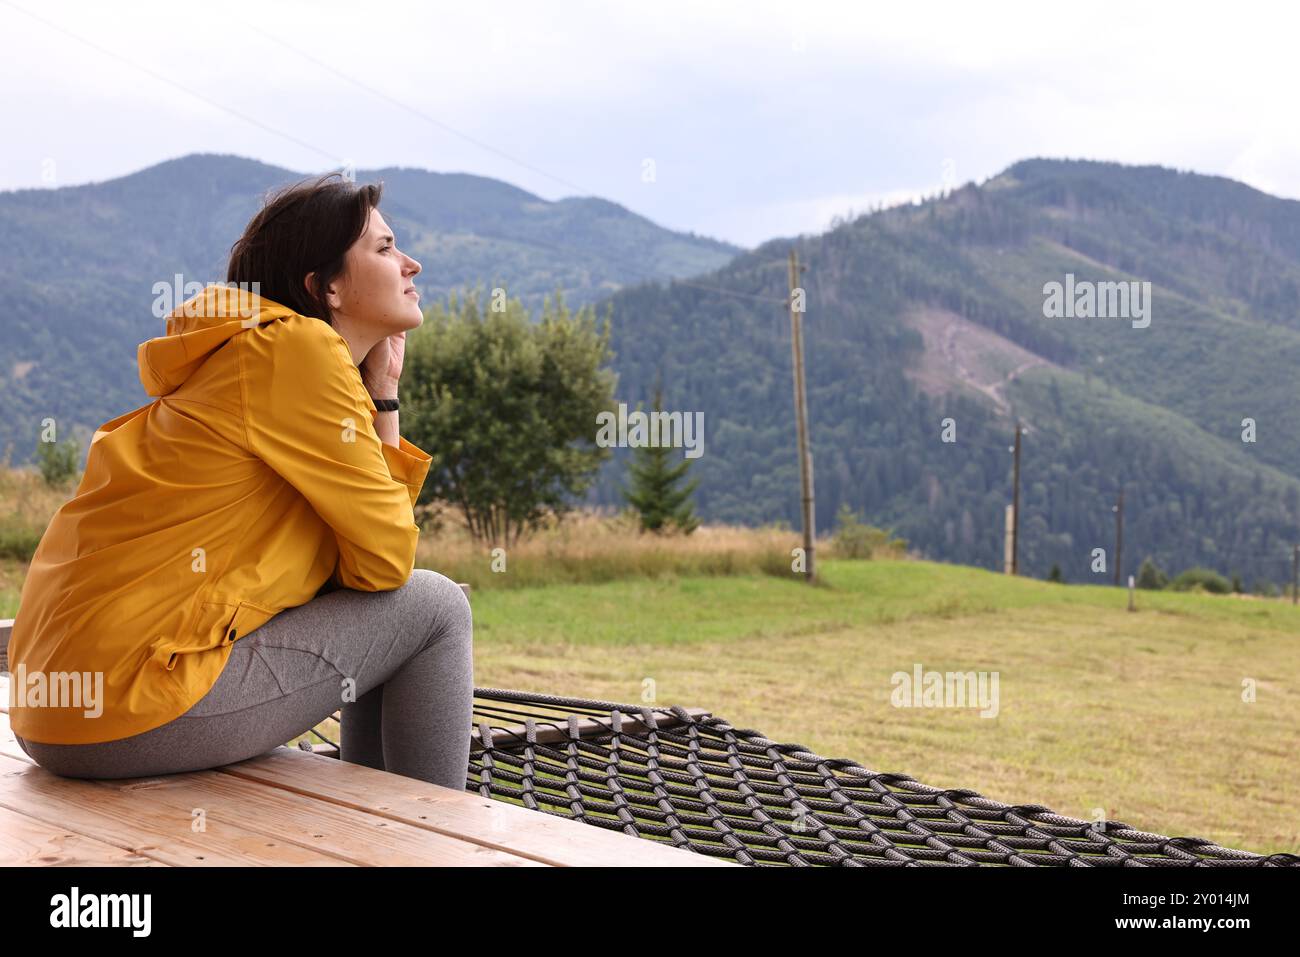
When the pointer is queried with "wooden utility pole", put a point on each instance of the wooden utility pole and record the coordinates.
(1015, 508)
(1006, 543)
(1119, 534)
(797, 301)
(1295, 574)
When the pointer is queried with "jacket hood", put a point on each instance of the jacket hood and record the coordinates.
(196, 329)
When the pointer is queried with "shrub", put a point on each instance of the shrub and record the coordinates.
(1150, 576)
(58, 461)
(1201, 579)
(509, 407)
(853, 539)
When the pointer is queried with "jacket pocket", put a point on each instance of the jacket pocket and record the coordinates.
(219, 624)
(240, 620)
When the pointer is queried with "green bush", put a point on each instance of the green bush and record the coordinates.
(853, 539)
(58, 461)
(1201, 579)
(508, 408)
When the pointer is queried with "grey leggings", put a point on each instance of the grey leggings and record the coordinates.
(409, 653)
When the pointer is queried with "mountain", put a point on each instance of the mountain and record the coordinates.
(937, 310)
(78, 266)
(915, 315)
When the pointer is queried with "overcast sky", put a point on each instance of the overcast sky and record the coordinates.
(744, 120)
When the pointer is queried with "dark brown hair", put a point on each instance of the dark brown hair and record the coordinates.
(303, 227)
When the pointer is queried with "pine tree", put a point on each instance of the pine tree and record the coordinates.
(1150, 576)
(654, 490)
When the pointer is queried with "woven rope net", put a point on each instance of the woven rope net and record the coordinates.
(690, 779)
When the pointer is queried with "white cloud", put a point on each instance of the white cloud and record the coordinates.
(764, 122)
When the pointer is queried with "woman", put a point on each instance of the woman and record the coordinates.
(237, 562)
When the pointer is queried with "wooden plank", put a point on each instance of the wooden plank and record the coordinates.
(132, 822)
(283, 817)
(355, 836)
(277, 817)
(32, 843)
(543, 837)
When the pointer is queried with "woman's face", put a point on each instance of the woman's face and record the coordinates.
(375, 292)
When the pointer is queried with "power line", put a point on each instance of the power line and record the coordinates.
(170, 82)
(730, 292)
(333, 156)
(421, 114)
(724, 291)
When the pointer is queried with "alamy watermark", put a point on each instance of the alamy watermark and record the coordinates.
(75, 909)
(1085, 299)
(639, 429)
(170, 296)
(57, 689)
(946, 689)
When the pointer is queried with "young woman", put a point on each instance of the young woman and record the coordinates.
(238, 561)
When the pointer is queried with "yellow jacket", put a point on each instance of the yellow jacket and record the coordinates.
(256, 478)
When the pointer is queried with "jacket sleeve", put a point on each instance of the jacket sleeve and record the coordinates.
(308, 416)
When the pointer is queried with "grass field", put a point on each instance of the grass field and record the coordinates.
(1137, 716)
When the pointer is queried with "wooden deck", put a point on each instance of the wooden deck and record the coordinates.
(287, 807)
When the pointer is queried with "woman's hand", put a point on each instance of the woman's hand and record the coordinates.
(382, 367)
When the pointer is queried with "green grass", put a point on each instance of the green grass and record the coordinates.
(672, 610)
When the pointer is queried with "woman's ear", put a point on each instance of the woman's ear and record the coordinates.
(331, 296)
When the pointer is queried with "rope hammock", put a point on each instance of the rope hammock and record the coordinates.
(689, 778)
